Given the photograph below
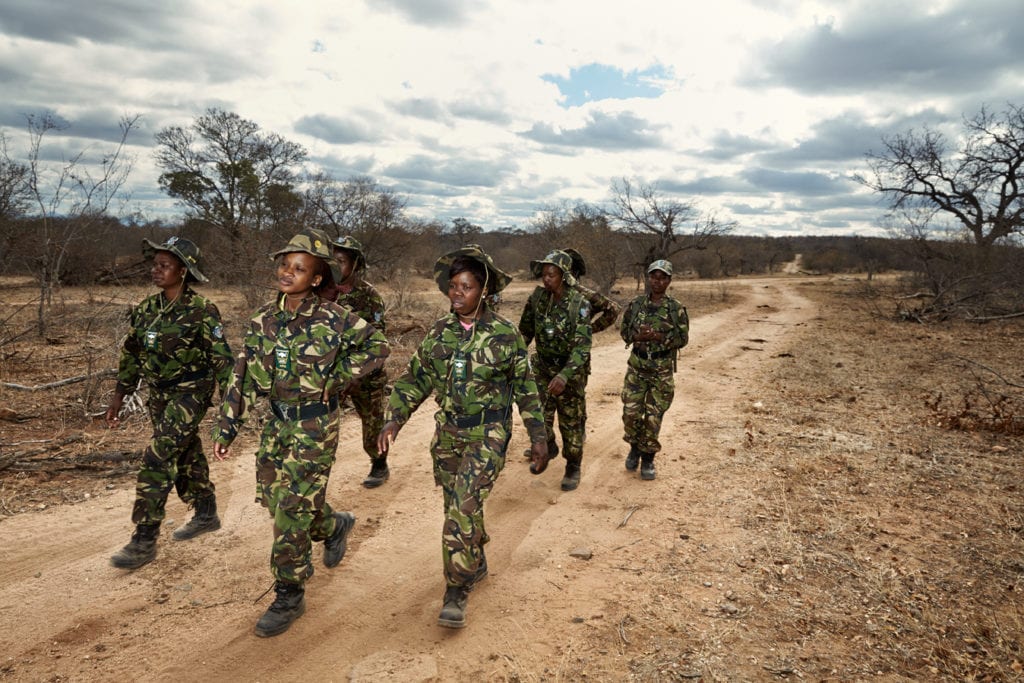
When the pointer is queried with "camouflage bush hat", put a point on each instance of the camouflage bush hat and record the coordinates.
(315, 242)
(579, 265)
(664, 265)
(558, 259)
(497, 279)
(349, 243)
(185, 250)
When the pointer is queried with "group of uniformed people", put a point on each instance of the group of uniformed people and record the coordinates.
(323, 338)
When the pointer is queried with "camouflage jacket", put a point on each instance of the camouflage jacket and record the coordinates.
(667, 316)
(603, 310)
(560, 329)
(175, 347)
(301, 357)
(366, 303)
(470, 371)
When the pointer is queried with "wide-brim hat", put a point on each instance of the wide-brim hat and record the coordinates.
(184, 250)
(497, 279)
(557, 258)
(315, 242)
(664, 265)
(579, 264)
(349, 243)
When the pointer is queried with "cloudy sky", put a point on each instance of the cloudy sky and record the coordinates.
(757, 110)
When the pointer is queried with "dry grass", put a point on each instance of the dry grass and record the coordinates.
(875, 494)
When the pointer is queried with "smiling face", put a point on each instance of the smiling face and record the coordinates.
(298, 273)
(658, 281)
(167, 272)
(465, 292)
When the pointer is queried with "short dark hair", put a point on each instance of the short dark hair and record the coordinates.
(462, 264)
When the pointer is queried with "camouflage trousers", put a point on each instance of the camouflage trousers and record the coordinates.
(293, 464)
(571, 408)
(647, 393)
(368, 399)
(174, 457)
(466, 465)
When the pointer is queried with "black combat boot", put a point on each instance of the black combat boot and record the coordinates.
(572, 476)
(141, 550)
(334, 547)
(289, 604)
(379, 473)
(453, 612)
(633, 459)
(647, 466)
(204, 520)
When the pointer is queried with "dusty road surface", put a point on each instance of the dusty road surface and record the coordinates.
(543, 614)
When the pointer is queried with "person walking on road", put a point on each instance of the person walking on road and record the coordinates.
(557, 318)
(475, 362)
(301, 352)
(657, 326)
(367, 394)
(176, 346)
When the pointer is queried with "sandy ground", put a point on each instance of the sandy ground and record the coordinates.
(67, 615)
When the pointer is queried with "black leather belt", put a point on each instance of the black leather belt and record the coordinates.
(651, 355)
(481, 418)
(303, 411)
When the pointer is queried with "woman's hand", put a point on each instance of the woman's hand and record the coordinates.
(114, 411)
(220, 451)
(556, 386)
(539, 458)
(387, 437)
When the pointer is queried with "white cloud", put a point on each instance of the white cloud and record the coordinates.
(447, 102)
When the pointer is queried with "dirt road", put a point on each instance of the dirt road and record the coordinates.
(542, 615)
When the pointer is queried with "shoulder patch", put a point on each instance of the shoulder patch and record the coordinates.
(218, 332)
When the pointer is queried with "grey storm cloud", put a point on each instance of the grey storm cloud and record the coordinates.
(966, 47)
(457, 172)
(434, 110)
(334, 129)
(421, 108)
(725, 146)
(430, 12)
(798, 183)
(125, 22)
(603, 131)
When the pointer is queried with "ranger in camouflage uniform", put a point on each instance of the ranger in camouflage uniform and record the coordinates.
(657, 326)
(557, 317)
(476, 364)
(300, 352)
(176, 346)
(367, 394)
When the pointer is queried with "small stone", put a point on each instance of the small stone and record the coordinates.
(578, 620)
(581, 553)
(708, 584)
(728, 608)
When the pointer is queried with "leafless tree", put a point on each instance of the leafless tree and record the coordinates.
(673, 224)
(961, 204)
(977, 180)
(361, 207)
(71, 198)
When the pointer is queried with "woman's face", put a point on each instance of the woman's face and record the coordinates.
(465, 292)
(551, 277)
(167, 270)
(347, 261)
(298, 273)
(658, 280)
